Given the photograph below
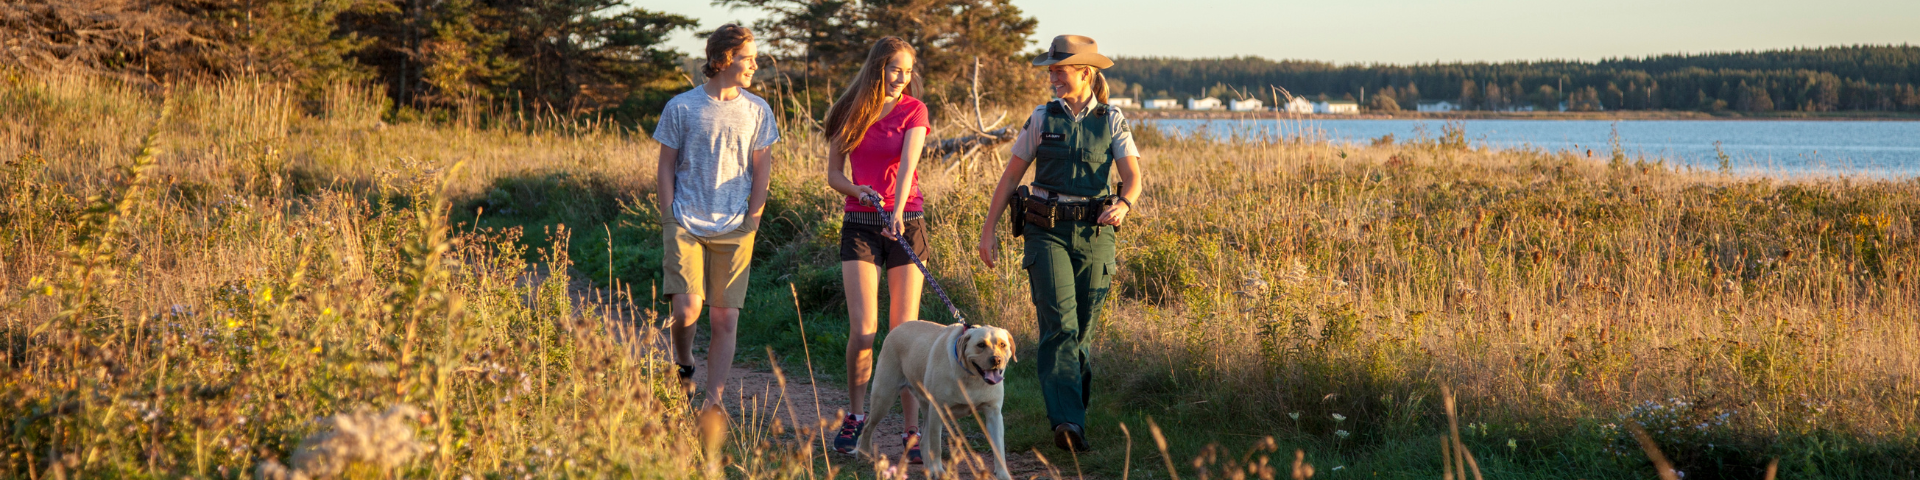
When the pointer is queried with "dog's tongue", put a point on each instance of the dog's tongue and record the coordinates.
(995, 376)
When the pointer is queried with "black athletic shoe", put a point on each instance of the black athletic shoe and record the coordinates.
(849, 437)
(686, 381)
(912, 441)
(1070, 437)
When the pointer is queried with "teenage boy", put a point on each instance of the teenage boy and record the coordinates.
(714, 168)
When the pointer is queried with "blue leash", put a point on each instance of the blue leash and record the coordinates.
(901, 236)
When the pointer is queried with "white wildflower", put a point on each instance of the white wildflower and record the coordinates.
(384, 440)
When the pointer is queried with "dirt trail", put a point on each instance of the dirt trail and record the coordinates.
(754, 396)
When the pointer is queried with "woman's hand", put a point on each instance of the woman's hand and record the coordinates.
(1114, 214)
(867, 196)
(987, 244)
(894, 228)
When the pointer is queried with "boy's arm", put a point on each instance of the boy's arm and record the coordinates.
(762, 178)
(669, 161)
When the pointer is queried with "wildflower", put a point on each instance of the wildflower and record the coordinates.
(1339, 418)
(1295, 416)
(380, 439)
(1341, 433)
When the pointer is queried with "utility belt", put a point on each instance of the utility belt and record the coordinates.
(1039, 207)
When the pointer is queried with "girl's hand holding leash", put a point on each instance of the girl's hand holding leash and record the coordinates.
(894, 228)
(868, 196)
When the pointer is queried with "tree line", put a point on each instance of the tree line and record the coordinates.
(569, 55)
(1857, 78)
(581, 57)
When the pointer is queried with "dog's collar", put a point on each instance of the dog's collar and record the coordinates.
(958, 343)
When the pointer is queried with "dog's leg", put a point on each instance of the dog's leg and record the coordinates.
(886, 384)
(932, 428)
(997, 434)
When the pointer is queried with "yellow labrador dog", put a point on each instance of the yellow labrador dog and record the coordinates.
(960, 367)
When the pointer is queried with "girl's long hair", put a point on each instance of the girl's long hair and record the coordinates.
(859, 106)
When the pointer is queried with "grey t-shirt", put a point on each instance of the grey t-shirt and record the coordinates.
(716, 140)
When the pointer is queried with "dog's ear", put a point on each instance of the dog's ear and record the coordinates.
(1013, 354)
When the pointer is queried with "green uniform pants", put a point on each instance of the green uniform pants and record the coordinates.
(1071, 267)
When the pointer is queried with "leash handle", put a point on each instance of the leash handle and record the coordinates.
(901, 236)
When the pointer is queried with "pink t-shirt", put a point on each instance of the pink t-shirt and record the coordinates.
(876, 160)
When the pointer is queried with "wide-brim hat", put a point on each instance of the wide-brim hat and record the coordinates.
(1073, 50)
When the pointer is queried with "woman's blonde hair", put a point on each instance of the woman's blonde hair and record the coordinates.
(1099, 81)
(859, 106)
(1099, 85)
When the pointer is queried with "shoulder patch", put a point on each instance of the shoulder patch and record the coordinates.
(1124, 126)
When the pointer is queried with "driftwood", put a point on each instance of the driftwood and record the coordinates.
(984, 137)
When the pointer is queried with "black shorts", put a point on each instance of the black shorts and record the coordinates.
(863, 242)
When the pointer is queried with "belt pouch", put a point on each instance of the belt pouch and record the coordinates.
(1039, 212)
(1017, 219)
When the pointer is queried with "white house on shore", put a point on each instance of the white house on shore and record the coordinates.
(1162, 104)
(1436, 106)
(1208, 103)
(1337, 107)
(1248, 105)
(1296, 105)
(1120, 102)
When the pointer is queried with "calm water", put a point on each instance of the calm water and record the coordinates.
(1864, 148)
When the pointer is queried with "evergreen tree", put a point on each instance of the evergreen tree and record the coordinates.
(1545, 99)
(1383, 103)
(830, 40)
(1469, 95)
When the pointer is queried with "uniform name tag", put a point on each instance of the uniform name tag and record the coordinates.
(1053, 136)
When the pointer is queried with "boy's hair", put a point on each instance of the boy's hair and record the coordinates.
(722, 46)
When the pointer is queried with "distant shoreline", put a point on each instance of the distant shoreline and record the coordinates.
(1145, 114)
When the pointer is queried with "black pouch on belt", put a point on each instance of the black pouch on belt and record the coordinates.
(1017, 217)
(1039, 211)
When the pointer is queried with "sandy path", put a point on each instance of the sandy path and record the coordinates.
(754, 397)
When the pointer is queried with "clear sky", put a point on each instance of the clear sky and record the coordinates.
(1410, 31)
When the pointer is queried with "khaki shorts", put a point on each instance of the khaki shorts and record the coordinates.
(714, 265)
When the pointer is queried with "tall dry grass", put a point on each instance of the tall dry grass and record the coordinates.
(214, 281)
(1275, 283)
(280, 268)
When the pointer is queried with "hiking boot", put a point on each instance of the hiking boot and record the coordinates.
(849, 437)
(1070, 437)
(912, 441)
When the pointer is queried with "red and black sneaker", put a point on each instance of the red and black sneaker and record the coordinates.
(912, 441)
(849, 437)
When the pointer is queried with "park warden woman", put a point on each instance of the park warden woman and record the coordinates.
(1076, 143)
